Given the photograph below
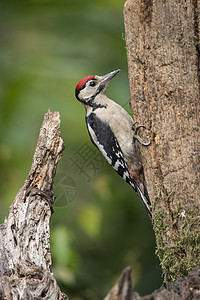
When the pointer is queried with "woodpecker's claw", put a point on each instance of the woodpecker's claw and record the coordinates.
(135, 130)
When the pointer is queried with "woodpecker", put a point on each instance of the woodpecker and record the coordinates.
(113, 132)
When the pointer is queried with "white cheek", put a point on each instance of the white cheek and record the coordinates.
(87, 92)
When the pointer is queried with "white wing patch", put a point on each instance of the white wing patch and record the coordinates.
(126, 175)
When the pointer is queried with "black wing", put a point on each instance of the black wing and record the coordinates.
(103, 138)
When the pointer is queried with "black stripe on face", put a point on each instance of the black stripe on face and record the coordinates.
(91, 101)
(99, 90)
(77, 93)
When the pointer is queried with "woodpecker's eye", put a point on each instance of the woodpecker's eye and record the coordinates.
(93, 83)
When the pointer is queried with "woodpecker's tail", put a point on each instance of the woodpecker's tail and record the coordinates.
(144, 198)
(145, 201)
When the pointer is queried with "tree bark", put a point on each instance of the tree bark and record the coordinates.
(25, 258)
(162, 39)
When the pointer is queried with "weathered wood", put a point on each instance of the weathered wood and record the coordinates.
(183, 289)
(123, 288)
(162, 40)
(25, 258)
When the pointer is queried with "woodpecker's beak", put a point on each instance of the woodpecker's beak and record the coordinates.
(106, 78)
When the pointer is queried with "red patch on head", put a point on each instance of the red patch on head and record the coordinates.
(83, 81)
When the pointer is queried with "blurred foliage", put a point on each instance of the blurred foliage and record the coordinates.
(99, 225)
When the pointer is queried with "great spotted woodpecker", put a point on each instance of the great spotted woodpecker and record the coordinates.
(113, 132)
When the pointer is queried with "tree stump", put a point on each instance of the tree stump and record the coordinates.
(25, 258)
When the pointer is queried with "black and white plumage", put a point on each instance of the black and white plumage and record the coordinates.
(113, 132)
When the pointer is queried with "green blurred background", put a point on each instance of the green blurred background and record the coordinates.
(99, 225)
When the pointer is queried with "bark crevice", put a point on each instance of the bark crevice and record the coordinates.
(25, 258)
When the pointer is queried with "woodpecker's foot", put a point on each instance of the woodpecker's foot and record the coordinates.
(135, 130)
(46, 194)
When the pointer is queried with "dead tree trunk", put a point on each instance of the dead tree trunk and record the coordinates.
(25, 258)
(162, 39)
